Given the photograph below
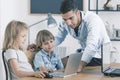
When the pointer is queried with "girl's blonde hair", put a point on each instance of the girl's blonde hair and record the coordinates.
(12, 30)
(43, 36)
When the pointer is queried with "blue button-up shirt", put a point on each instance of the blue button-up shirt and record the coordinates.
(51, 63)
(91, 35)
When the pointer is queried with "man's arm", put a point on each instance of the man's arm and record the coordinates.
(61, 34)
(96, 36)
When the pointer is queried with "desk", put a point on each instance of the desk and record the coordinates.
(93, 73)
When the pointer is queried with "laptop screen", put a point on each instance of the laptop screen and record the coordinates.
(110, 55)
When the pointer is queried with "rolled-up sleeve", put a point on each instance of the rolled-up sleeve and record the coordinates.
(61, 34)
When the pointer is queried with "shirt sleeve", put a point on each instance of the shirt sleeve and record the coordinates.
(38, 61)
(61, 34)
(10, 54)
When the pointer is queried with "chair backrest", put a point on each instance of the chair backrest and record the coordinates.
(4, 73)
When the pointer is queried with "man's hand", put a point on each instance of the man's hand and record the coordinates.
(82, 65)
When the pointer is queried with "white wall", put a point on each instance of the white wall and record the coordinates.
(0, 26)
(11, 10)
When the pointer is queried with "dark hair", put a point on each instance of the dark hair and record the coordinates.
(68, 5)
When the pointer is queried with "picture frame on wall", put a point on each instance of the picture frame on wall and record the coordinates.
(48, 6)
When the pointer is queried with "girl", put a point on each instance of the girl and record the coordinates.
(46, 59)
(14, 41)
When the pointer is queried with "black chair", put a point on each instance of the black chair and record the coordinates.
(7, 72)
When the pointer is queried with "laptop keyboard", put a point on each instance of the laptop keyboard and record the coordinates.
(116, 71)
(57, 74)
(109, 70)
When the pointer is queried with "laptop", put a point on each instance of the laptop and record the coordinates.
(111, 58)
(71, 66)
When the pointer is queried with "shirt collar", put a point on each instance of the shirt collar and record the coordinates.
(44, 53)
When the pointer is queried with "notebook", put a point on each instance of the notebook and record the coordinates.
(111, 58)
(71, 67)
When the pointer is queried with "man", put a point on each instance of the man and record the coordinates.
(87, 28)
